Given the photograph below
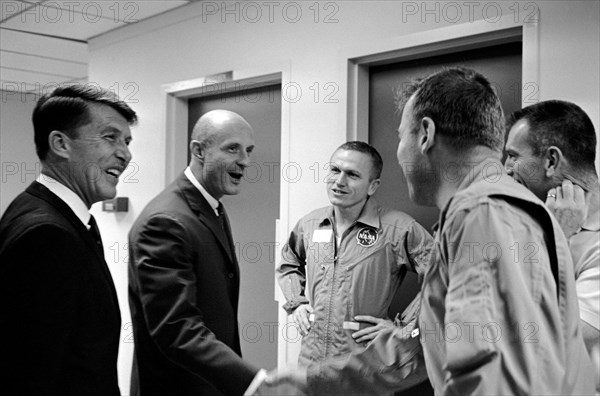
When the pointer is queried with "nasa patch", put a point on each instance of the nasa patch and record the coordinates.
(366, 237)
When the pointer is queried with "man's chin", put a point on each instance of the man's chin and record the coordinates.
(233, 190)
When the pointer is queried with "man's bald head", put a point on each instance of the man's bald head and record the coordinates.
(217, 121)
(222, 142)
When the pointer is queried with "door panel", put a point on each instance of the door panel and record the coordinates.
(253, 213)
(501, 64)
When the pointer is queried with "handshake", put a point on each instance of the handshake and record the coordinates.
(279, 383)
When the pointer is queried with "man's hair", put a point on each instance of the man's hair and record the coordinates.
(463, 105)
(561, 124)
(66, 108)
(366, 148)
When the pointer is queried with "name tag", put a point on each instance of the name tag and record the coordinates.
(322, 236)
(351, 326)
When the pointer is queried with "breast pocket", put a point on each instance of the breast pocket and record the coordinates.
(373, 277)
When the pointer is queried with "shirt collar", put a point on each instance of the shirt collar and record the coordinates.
(209, 198)
(368, 216)
(488, 169)
(592, 221)
(72, 200)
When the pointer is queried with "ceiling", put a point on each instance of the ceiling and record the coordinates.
(44, 42)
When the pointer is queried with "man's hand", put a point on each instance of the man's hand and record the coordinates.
(567, 204)
(369, 333)
(285, 382)
(300, 316)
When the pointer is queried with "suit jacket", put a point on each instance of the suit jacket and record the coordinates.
(183, 295)
(59, 315)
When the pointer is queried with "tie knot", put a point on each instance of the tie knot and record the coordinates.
(220, 209)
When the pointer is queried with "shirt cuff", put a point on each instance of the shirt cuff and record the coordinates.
(256, 382)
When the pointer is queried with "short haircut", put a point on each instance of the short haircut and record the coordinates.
(66, 108)
(366, 148)
(561, 124)
(463, 105)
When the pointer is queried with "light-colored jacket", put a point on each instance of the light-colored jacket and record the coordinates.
(499, 312)
(359, 276)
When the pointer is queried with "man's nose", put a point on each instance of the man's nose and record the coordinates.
(509, 165)
(244, 159)
(340, 180)
(123, 153)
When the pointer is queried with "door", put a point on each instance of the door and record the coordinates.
(252, 214)
(501, 64)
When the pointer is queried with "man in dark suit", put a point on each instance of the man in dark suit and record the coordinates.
(184, 275)
(60, 319)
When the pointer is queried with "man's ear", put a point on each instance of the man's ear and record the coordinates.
(426, 135)
(59, 144)
(197, 149)
(373, 186)
(553, 161)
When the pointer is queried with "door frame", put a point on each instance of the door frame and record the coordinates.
(457, 38)
(177, 95)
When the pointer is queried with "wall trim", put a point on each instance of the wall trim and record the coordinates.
(445, 40)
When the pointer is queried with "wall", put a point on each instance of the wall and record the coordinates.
(19, 163)
(201, 40)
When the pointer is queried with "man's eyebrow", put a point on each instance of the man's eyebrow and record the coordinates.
(112, 129)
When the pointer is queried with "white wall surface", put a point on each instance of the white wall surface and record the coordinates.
(19, 163)
(200, 40)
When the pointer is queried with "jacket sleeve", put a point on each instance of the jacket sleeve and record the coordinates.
(420, 248)
(392, 362)
(164, 274)
(479, 244)
(291, 271)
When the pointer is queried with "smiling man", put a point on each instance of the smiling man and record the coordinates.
(551, 149)
(343, 263)
(183, 273)
(60, 316)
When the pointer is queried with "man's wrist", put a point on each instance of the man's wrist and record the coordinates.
(256, 382)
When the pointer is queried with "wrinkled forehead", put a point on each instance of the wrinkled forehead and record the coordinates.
(351, 160)
(237, 132)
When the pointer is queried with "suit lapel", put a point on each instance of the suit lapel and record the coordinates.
(206, 215)
(42, 192)
(38, 190)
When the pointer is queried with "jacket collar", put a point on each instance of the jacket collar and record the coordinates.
(497, 182)
(214, 204)
(42, 192)
(73, 201)
(369, 215)
(205, 213)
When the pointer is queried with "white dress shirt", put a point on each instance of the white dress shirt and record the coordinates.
(72, 200)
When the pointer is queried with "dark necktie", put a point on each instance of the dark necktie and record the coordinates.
(223, 222)
(95, 232)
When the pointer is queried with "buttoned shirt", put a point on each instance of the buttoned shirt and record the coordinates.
(214, 204)
(358, 276)
(67, 195)
(585, 250)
